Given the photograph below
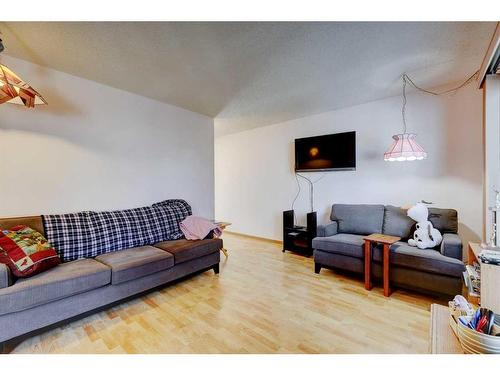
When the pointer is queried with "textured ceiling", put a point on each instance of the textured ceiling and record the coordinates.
(254, 74)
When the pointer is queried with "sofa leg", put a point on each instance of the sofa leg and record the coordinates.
(317, 267)
(216, 268)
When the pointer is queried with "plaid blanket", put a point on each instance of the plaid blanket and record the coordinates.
(88, 234)
(173, 211)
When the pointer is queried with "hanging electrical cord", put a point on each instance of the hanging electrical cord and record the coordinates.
(296, 196)
(406, 78)
(311, 189)
(297, 175)
(403, 109)
(404, 146)
(323, 175)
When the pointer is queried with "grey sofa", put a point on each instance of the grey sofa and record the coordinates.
(75, 289)
(340, 245)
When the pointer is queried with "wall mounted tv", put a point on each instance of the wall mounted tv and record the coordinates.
(332, 152)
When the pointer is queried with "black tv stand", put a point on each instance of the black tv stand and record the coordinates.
(298, 238)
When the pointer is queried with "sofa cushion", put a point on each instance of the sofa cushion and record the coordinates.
(184, 250)
(397, 222)
(342, 243)
(358, 218)
(62, 281)
(327, 230)
(451, 246)
(428, 260)
(26, 252)
(444, 220)
(137, 262)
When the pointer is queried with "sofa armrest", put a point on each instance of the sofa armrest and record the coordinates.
(5, 279)
(327, 230)
(451, 246)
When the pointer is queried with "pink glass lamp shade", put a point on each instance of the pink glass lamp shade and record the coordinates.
(405, 148)
(14, 90)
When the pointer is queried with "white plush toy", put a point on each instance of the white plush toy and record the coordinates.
(425, 236)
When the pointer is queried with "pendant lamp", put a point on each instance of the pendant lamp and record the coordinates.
(404, 146)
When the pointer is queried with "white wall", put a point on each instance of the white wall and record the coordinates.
(255, 182)
(96, 147)
(492, 148)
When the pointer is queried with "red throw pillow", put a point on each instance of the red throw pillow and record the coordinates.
(26, 252)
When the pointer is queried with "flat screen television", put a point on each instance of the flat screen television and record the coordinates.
(332, 152)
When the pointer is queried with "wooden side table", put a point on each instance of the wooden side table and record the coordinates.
(223, 225)
(387, 241)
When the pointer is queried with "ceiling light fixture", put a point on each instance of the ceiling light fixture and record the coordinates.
(14, 90)
(404, 146)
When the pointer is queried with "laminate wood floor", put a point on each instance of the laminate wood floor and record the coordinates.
(263, 301)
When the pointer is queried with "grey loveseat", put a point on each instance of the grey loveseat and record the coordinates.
(340, 245)
(78, 288)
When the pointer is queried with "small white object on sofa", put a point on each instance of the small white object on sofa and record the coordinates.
(425, 236)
